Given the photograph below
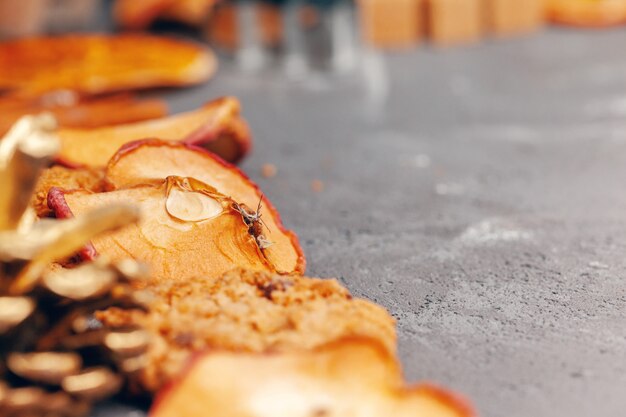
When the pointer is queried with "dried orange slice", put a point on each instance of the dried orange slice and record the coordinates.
(587, 13)
(95, 64)
(217, 126)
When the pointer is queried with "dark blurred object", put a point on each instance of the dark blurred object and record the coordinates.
(585, 13)
(301, 36)
(140, 14)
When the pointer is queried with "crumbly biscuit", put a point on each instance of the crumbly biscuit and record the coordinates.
(249, 311)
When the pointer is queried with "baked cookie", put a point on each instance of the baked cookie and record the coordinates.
(248, 311)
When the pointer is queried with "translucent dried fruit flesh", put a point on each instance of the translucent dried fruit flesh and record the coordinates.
(190, 206)
(152, 160)
(96, 64)
(89, 113)
(174, 249)
(586, 13)
(354, 377)
(217, 127)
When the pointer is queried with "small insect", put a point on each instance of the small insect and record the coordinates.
(255, 223)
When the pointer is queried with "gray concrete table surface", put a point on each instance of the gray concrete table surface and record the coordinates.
(483, 203)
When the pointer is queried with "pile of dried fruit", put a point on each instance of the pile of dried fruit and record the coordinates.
(226, 276)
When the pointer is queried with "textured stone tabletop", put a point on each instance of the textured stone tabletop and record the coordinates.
(479, 193)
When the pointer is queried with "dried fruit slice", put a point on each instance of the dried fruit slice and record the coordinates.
(352, 377)
(191, 230)
(587, 13)
(248, 311)
(217, 126)
(150, 161)
(95, 64)
(89, 113)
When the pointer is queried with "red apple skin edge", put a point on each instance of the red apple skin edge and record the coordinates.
(208, 133)
(201, 137)
(57, 203)
(131, 146)
(460, 403)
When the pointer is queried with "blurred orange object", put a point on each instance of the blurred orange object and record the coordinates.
(191, 12)
(270, 21)
(587, 13)
(455, 21)
(223, 28)
(70, 111)
(22, 17)
(139, 14)
(511, 17)
(96, 64)
(391, 23)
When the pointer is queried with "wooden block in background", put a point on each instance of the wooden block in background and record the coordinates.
(453, 22)
(391, 23)
(512, 17)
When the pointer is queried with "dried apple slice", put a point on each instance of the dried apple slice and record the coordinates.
(191, 230)
(217, 126)
(149, 161)
(587, 13)
(352, 377)
(84, 113)
(96, 64)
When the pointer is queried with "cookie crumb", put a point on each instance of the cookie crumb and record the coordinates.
(317, 186)
(269, 170)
